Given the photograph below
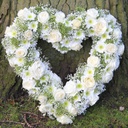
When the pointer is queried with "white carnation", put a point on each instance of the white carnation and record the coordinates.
(120, 49)
(117, 34)
(106, 77)
(64, 119)
(93, 61)
(43, 17)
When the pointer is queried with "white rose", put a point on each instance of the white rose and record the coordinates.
(92, 12)
(59, 94)
(100, 27)
(120, 49)
(60, 16)
(93, 99)
(28, 34)
(37, 69)
(76, 23)
(23, 13)
(106, 77)
(42, 99)
(93, 61)
(64, 119)
(21, 52)
(76, 46)
(117, 33)
(54, 36)
(111, 48)
(70, 88)
(88, 82)
(43, 17)
(29, 84)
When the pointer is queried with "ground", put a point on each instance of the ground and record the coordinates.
(108, 112)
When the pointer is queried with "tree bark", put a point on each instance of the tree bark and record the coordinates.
(63, 64)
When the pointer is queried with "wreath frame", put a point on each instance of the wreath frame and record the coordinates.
(65, 34)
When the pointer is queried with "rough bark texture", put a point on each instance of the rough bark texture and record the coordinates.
(63, 64)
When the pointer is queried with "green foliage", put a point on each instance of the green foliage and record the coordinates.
(63, 29)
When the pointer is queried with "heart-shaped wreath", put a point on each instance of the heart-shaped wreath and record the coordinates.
(64, 33)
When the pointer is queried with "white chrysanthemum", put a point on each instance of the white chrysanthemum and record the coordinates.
(100, 47)
(29, 84)
(79, 35)
(100, 27)
(89, 72)
(25, 43)
(30, 16)
(21, 52)
(33, 26)
(93, 61)
(20, 61)
(54, 36)
(64, 119)
(70, 88)
(59, 94)
(26, 74)
(92, 13)
(104, 37)
(60, 16)
(90, 21)
(11, 32)
(111, 48)
(43, 17)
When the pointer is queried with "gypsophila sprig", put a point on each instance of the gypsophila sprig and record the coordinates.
(65, 33)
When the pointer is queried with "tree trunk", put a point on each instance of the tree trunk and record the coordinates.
(63, 64)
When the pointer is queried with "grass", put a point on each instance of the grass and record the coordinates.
(105, 114)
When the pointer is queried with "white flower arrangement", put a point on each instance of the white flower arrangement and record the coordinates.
(65, 34)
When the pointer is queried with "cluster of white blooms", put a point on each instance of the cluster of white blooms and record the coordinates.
(64, 33)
